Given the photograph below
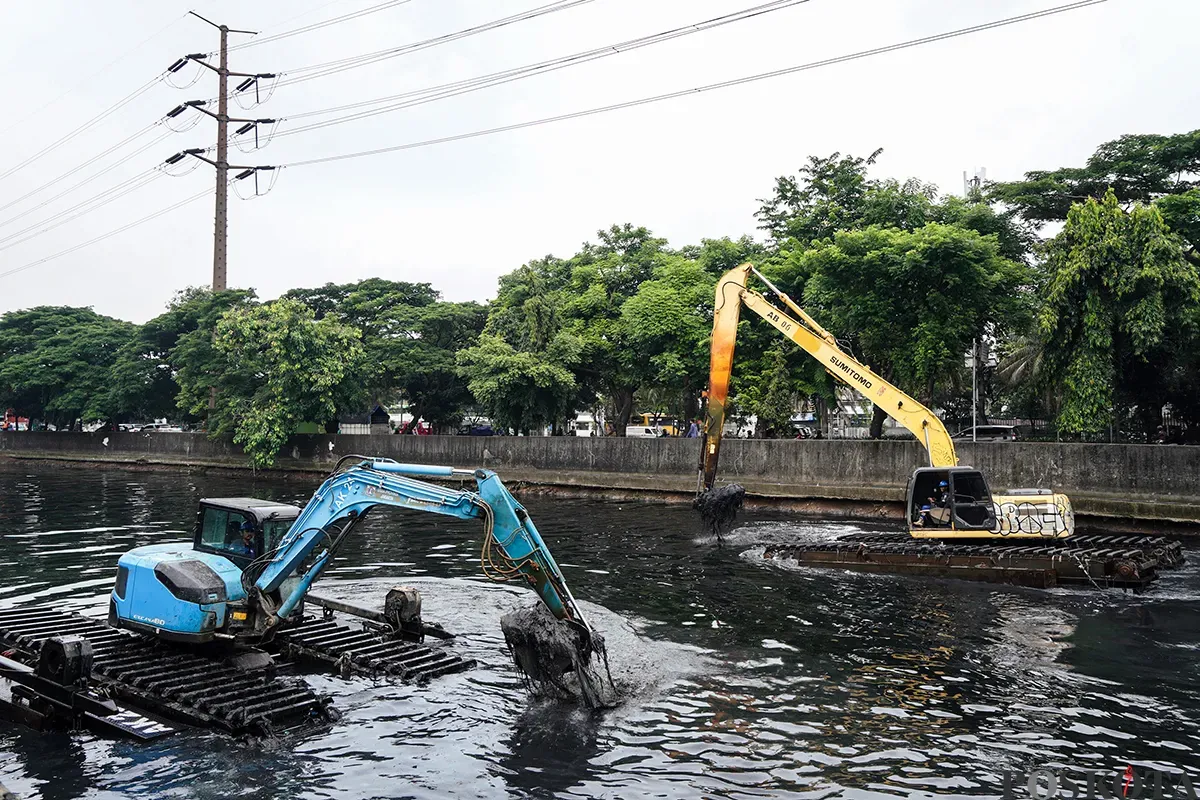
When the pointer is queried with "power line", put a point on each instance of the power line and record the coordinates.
(456, 88)
(313, 10)
(710, 87)
(66, 211)
(84, 165)
(92, 75)
(87, 180)
(129, 98)
(352, 62)
(104, 236)
(593, 111)
(318, 25)
(88, 206)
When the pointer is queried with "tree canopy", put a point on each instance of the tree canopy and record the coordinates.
(1096, 325)
(1120, 309)
(55, 362)
(410, 340)
(277, 366)
(1135, 168)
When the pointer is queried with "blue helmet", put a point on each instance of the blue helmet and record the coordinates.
(943, 485)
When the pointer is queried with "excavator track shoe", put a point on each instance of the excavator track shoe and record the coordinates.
(155, 679)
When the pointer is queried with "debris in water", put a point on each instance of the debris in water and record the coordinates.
(719, 506)
(557, 658)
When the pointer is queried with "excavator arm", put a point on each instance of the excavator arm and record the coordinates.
(214, 592)
(731, 294)
(512, 546)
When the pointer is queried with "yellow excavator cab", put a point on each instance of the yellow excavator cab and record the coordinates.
(956, 503)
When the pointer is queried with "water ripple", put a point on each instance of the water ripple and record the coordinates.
(744, 681)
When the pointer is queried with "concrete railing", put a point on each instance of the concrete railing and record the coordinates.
(1136, 481)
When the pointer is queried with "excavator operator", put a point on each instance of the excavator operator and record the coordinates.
(941, 496)
(245, 545)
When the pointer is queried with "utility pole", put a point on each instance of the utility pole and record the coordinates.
(221, 163)
(974, 390)
(221, 230)
(972, 186)
(221, 217)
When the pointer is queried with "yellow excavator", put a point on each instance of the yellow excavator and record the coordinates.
(943, 500)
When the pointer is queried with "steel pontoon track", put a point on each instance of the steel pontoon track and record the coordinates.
(202, 689)
(1123, 562)
(365, 651)
(196, 689)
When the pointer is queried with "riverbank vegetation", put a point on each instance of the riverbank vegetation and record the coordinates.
(1084, 282)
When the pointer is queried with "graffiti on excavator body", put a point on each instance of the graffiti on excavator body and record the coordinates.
(1026, 517)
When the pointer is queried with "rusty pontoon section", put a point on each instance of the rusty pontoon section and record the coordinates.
(239, 692)
(1118, 562)
(196, 690)
(370, 649)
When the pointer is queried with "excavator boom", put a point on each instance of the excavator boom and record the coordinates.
(731, 294)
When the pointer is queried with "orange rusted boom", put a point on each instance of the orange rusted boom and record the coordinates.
(731, 294)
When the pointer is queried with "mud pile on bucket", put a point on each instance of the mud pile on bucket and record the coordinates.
(558, 659)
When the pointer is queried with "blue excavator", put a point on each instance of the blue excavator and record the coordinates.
(253, 562)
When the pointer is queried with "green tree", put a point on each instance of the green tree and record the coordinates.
(666, 326)
(773, 398)
(718, 256)
(521, 390)
(424, 362)
(835, 194)
(277, 366)
(828, 195)
(912, 302)
(1120, 314)
(365, 304)
(410, 340)
(143, 383)
(603, 277)
(582, 297)
(55, 362)
(1136, 168)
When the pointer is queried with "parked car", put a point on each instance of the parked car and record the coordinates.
(161, 427)
(643, 431)
(988, 433)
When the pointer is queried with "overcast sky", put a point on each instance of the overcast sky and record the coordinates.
(1038, 95)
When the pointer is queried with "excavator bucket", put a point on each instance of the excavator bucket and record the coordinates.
(559, 658)
(719, 506)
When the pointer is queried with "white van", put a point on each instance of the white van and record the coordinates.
(643, 431)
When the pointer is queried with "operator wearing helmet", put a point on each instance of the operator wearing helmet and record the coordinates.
(246, 546)
(936, 511)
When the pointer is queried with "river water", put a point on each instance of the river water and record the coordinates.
(752, 680)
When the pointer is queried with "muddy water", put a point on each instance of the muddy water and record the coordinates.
(745, 680)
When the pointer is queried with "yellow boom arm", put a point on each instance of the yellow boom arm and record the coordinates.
(731, 294)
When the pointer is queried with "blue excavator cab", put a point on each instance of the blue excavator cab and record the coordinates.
(191, 593)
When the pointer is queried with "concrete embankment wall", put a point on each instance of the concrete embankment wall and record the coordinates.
(1137, 482)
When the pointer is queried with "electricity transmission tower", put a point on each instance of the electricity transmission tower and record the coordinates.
(221, 162)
